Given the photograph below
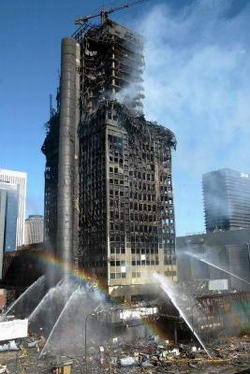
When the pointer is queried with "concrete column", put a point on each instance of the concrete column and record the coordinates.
(76, 165)
(66, 150)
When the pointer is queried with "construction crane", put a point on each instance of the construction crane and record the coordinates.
(105, 12)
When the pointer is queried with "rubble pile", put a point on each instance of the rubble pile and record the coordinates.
(143, 356)
(148, 356)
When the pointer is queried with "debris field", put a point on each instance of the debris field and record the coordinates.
(143, 356)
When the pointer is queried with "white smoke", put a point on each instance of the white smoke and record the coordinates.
(197, 84)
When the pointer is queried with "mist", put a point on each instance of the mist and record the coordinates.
(197, 84)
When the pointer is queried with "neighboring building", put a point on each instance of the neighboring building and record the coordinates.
(226, 200)
(34, 229)
(20, 179)
(229, 250)
(108, 179)
(8, 219)
(8, 216)
(22, 268)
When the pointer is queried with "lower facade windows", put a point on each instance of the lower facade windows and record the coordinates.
(117, 275)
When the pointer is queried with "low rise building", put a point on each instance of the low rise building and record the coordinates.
(201, 256)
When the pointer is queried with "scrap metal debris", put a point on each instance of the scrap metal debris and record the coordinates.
(143, 356)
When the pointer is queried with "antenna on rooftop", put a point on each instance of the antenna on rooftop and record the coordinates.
(103, 14)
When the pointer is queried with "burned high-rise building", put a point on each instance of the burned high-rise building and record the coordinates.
(108, 179)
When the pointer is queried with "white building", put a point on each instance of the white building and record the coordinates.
(34, 229)
(20, 179)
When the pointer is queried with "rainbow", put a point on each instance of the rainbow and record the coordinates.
(82, 276)
(76, 274)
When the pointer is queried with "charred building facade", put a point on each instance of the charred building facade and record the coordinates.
(108, 191)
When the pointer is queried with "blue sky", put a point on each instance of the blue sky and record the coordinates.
(196, 80)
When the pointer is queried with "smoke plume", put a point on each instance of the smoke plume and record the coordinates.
(197, 84)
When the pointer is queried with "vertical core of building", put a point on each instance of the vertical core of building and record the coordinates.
(67, 130)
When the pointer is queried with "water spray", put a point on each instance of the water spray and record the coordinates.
(51, 291)
(167, 287)
(26, 292)
(217, 267)
(59, 318)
